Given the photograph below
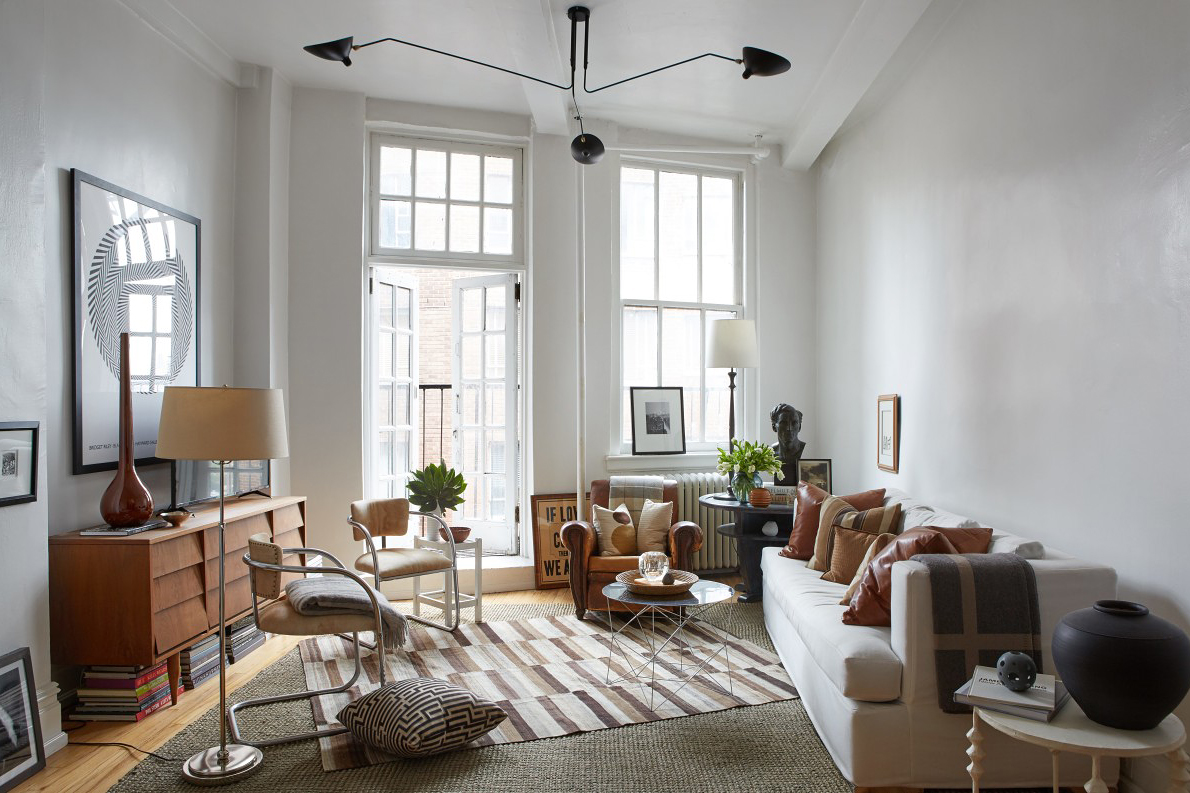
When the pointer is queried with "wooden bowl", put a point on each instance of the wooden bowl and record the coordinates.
(637, 585)
(760, 497)
(461, 533)
(177, 517)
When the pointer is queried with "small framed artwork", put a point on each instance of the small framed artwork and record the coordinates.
(21, 752)
(888, 432)
(551, 558)
(815, 472)
(18, 462)
(658, 421)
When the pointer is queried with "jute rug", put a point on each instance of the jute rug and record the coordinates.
(551, 676)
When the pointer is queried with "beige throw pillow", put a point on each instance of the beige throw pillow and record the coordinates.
(617, 536)
(652, 533)
(831, 507)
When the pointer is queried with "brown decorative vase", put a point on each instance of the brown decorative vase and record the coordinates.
(126, 502)
(760, 497)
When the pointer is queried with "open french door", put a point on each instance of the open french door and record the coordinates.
(394, 362)
(484, 381)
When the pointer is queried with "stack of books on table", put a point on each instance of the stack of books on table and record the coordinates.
(242, 638)
(200, 662)
(122, 693)
(1040, 703)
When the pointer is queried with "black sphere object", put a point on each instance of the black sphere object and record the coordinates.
(1125, 667)
(1016, 671)
(586, 149)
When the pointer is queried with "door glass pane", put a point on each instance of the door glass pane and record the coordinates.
(471, 457)
(385, 296)
(471, 398)
(464, 229)
(677, 236)
(431, 174)
(431, 226)
(385, 355)
(472, 310)
(637, 233)
(495, 495)
(395, 224)
(384, 404)
(401, 451)
(403, 307)
(495, 308)
(472, 363)
(494, 405)
(395, 170)
(718, 240)
(497, 180)
(464, 177)
(495, 452)
(401, 404)
(384, 453)
(401, 354)
(494, 356)
(497, 230)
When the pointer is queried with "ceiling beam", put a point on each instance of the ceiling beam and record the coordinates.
(528, 29)
(878, 29)
(162, 17)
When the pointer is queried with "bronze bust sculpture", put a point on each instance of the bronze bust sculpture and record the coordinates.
(787, 423)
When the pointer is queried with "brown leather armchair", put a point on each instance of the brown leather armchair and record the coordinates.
(590, 572)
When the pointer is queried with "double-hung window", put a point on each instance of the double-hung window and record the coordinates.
(680, 257)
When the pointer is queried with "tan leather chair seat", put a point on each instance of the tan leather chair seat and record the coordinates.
(613, 564)
(395, 562)
(279, 616)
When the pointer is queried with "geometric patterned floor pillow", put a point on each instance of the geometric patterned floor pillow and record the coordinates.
(420, 716)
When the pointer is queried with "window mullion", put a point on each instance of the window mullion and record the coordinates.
(412, 198)
(446, 192)
(657, 234)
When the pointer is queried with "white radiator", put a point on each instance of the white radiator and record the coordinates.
(718, 552)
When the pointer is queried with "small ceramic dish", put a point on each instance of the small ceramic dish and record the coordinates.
(177, 517)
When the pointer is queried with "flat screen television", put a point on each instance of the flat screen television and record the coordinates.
(196, 481)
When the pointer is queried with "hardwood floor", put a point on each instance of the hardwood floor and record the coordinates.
(83, 769)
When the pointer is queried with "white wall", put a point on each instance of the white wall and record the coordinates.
(1004, 243)
(124, 104)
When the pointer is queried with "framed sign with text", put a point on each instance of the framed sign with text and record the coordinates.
(551, 559)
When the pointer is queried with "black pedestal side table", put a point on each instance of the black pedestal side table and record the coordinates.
(749, 541)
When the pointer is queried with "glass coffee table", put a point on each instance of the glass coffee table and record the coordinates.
(660, 639)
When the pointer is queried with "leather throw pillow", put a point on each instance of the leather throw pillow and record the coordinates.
(872, 602)
(652, 531)
(837, 512)
(975, 540)
(806, 521)
(617, 535)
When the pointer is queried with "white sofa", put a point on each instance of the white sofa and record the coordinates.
(870, 691)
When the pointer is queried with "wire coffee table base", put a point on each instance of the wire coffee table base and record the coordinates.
(659, 651)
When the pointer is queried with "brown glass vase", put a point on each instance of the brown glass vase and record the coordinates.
(126, 502)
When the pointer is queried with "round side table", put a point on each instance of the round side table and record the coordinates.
(1072, 731)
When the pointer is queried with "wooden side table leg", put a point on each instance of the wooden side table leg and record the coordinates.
(1179, 774)
(1096, 783)
(975, 752)
(1057, 776)
(174, 667)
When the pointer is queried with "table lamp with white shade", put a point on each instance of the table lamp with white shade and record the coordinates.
(731, 344)
(222, 424)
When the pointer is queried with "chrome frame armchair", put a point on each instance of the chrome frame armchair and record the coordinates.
(397, 511)
(266, 575)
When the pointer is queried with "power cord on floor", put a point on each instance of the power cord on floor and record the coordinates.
(154, 755)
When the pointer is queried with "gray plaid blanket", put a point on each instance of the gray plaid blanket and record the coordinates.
(984, 606)
(334, 594)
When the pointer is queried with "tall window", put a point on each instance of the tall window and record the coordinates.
(680, 269)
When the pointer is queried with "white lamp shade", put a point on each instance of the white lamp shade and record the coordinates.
(222, 424)
(731, 344)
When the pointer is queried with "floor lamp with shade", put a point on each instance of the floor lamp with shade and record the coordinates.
(731, 344)
(222, 424)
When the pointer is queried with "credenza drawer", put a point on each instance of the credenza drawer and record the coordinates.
(173, 588)
(238, 598)
(287, 519)
(179, 623)
(166, 557)
(236, 534)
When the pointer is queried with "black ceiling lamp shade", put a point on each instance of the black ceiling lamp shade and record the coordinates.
(586, 149)
(337, 50)
(763, 63)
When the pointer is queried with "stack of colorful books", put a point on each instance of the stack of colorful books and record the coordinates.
(242, 638)
(122, 693)
(1039, 703)
(200, 662)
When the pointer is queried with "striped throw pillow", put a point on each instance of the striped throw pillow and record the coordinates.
(419, 717)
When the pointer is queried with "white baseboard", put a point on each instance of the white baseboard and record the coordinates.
(49, 710)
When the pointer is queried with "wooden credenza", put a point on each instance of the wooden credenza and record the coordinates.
(144, 598)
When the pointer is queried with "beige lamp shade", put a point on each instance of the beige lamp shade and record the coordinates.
(731, 344)
(222, 424)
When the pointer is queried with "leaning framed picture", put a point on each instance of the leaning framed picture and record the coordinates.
(551, 557)
(888, 432)
(21, 752)
(18, 462)
(815, 472)
(136, 270)
(658, 420)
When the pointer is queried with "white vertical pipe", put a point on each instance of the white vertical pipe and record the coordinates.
(580, 300)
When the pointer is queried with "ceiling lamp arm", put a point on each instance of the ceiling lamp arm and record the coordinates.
(468, 60)
(652, 71)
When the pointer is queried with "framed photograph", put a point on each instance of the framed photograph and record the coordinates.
(816, 472)
(18, 462)
(21, 752)
(551, 559)
(136, 270)
(658, 421)
(888, 432)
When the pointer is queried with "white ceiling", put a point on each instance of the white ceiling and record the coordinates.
(837, 48)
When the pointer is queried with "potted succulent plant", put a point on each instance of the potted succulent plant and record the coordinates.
(743, 462)
(436, 489)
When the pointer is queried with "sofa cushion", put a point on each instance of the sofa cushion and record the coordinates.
(965, 540)
(849, 547)
(838, 512)
(871, 604)
(806, 520)
(652, 530)
(617, 534)
(1010, 543)
(858, 660)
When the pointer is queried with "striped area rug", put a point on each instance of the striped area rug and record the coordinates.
(548, 673)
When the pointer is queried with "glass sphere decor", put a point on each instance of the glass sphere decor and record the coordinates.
(653, 566)
(1017, 671)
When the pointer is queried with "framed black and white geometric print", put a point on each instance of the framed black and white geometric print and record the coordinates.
(136, 270)
(21, 752)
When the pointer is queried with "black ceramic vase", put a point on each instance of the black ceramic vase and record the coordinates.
(1125, 667)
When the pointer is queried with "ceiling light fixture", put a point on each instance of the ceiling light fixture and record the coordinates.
(586, 148)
